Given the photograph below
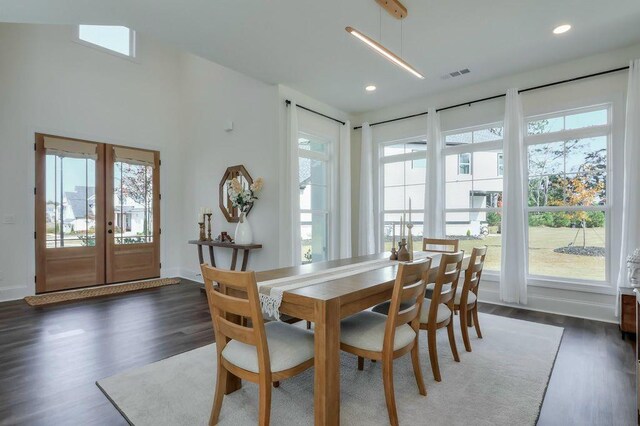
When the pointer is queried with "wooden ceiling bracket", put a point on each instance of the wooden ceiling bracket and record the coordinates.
(394, 7)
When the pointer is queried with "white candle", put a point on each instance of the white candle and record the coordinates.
(200, 218)
(410, 210)
(404, 223)
(393, 227)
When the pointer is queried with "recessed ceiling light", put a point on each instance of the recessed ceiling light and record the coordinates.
(370, 88)
(561, 29)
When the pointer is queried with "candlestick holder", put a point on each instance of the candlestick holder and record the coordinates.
(410, 243)
(208, 215)
(202, 235)
(403, 254)
(394, 254)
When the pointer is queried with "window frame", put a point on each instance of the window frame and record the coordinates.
(132, 43)
(329, 157)
(397, 158)
(606, 130)
(471, 148)
(465, 164)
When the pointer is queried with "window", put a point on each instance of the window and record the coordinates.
(113, 38)
(473, 189)
(464, 164)
(314, 177)
(403, 166)
(567, 162)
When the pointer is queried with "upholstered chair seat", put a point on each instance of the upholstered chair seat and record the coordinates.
(443, 310)
(289, 346)
(365, 330)
(471, 299)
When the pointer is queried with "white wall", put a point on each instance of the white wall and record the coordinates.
(49, 83)
(166, 100)
(545, 296)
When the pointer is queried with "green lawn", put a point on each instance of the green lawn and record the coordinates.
(542, 259)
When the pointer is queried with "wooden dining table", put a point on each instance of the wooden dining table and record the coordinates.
(325, 304)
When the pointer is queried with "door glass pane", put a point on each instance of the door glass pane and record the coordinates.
(133, 203)
(70, 201)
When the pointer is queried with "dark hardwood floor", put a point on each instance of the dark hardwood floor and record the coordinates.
(51, 357)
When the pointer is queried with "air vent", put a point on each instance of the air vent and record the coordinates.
(456, 73)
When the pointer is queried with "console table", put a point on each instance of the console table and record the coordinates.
(246, 249)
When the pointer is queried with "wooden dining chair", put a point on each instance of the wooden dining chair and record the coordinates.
(437, 312)
(378, 337)
(466, 299)
(440, 245)
(260, 353)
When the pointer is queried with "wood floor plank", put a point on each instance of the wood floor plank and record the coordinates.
(51, 357)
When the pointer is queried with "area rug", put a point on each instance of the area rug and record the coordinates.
(502, 382)
(88, 293)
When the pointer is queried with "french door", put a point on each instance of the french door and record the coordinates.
(97, 213)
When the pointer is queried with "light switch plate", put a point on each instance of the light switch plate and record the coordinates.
(9, 219)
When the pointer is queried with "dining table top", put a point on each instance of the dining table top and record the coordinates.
(343, 287)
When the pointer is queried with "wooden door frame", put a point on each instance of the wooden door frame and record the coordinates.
(104, 242)
(40, 234)
(110, 246)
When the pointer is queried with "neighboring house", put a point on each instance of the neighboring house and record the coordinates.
(129, 216)
(79, 209)
(473, 181)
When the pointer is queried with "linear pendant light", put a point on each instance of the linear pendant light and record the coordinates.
(383, 51)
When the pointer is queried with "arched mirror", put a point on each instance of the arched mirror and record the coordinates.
(232, 213)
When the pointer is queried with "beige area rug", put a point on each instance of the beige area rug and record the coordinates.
(88, 293)
(502, 382)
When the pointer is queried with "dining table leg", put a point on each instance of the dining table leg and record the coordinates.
(327, 362)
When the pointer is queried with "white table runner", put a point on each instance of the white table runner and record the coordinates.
(271, 291)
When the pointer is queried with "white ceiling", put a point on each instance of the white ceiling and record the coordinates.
(302, 43)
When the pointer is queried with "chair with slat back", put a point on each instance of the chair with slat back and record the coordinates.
(440, 245)
(437, 312)
(376, 336)
(259, 353)
(467, 297)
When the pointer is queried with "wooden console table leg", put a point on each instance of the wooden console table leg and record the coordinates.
(245, 259)
(200, 256)
(212, 257)
(234, 259)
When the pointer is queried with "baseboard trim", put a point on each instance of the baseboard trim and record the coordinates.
(548, 305)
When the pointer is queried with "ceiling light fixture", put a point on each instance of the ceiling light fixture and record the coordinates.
(389, 55)
(561, 29)
(370, 88)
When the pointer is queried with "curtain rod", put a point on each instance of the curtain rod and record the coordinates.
(500, 96)
(288, 102)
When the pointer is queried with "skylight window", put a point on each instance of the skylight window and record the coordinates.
(114, 38)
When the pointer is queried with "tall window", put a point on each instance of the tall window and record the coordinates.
(314, 176)
(473, 187)
(403, 176)
(567, 194)
(116, 39)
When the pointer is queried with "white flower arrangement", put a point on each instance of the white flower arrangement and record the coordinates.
(243, 198)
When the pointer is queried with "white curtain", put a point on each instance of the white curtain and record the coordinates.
(513, 284)
(291, 247)
(366, 235)
(631, 199)
(344, 188)
(434, 193)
